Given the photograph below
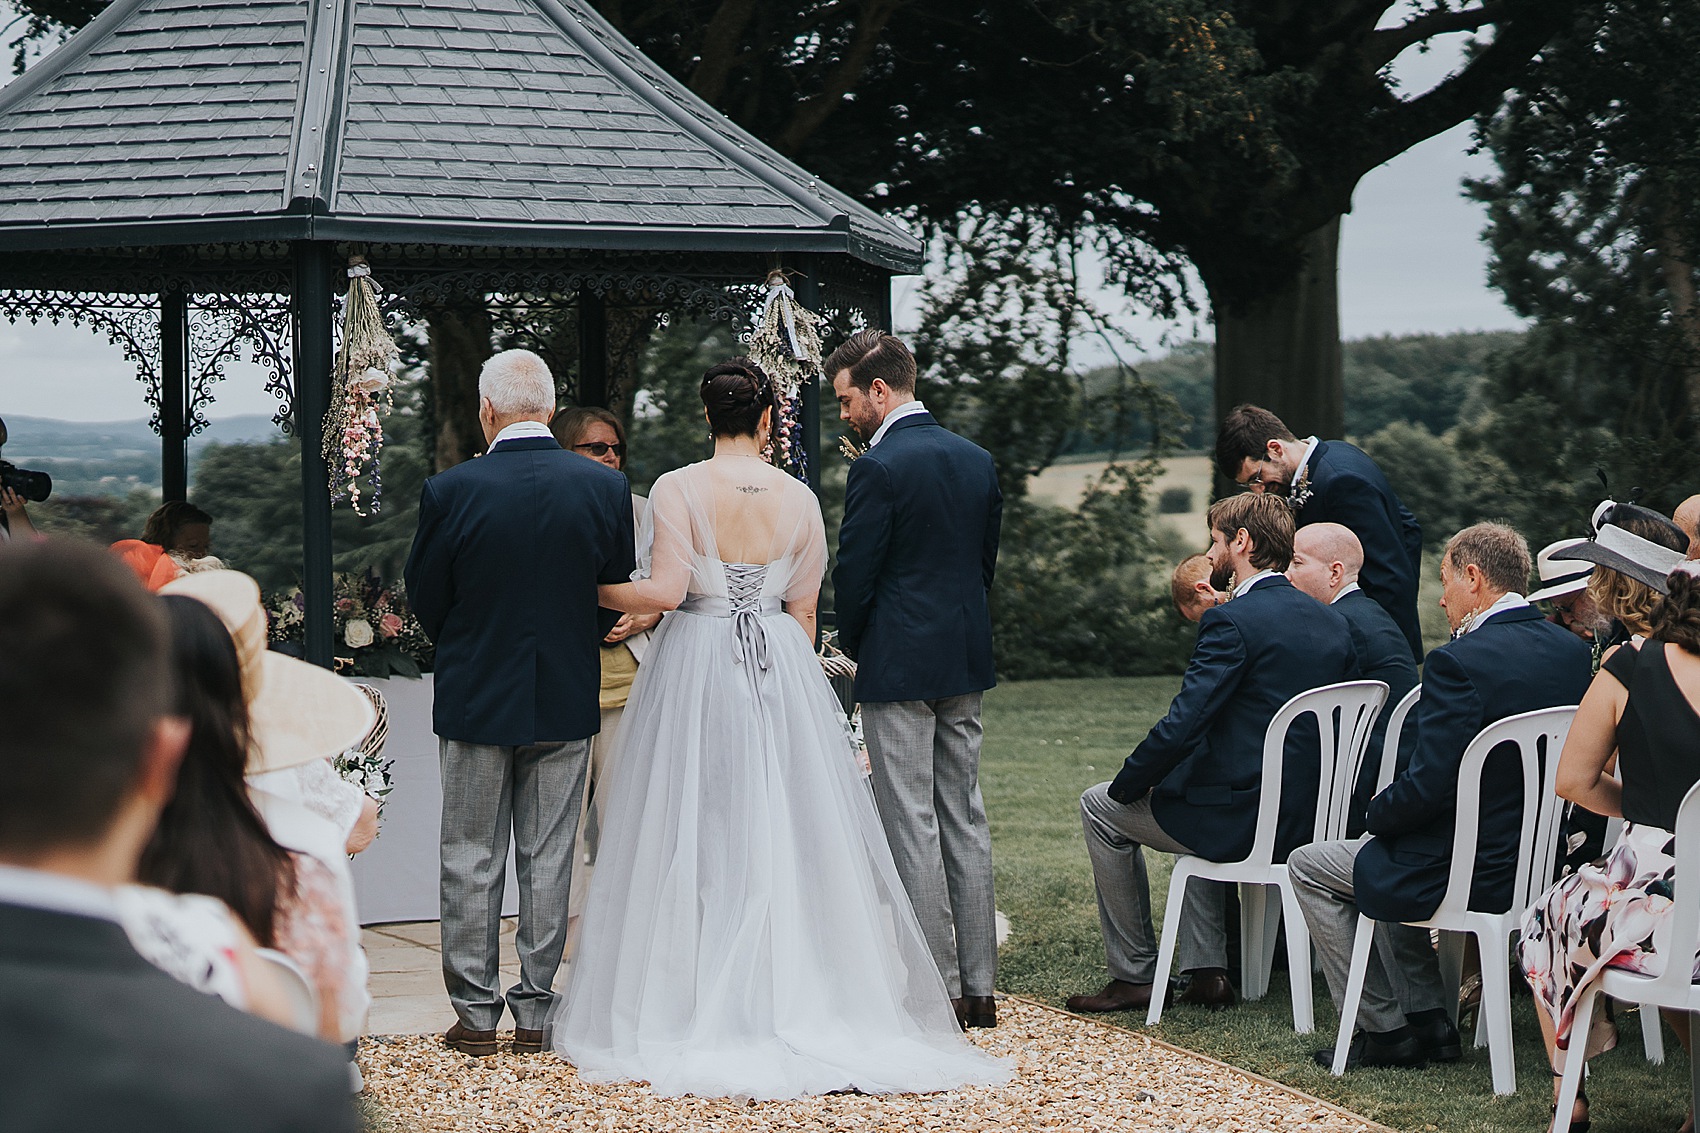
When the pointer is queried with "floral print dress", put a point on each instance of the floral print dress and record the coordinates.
(1615, 912)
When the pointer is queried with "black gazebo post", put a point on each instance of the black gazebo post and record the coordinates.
(313, 362)
(808, 296)
(592, 349)
(174, 394)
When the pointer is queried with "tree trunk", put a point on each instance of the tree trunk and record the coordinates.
(1281, 350)
(460, 342)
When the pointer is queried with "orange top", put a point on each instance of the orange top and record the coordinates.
(152, 565)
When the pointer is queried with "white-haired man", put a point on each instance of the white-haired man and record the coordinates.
(503, 576)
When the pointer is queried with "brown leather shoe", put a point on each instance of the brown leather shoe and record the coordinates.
(528, 1041)
(977, 1011)
(1208, 987)
(479, 1044)
(1118, 995)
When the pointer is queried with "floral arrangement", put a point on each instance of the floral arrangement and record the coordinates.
(364, 765)
(376, 634)
(360, 389)
(786, 343)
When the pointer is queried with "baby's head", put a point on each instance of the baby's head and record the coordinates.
(1191, 590)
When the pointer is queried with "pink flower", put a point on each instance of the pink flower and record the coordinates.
(389, 625)
(344, 605)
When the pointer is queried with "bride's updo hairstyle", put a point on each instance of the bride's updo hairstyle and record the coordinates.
(735, 393)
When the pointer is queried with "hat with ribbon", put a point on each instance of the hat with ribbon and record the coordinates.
(297, 712)
(1615, 548)
(1559, 576)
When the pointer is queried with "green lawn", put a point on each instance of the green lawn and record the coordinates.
(1046, 741)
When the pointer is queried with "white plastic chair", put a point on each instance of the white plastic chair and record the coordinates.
(297, 989)
(1345, 715)
(1390, 739)
(1536, 844)
(1673, 988)
(1652, 1030)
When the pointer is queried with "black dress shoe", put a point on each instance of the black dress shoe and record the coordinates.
(1118, 995)
(1374, 1050)
(1207, 987)
(1437, 1036)
(978, 1011)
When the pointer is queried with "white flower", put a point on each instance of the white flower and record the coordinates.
(358, 633)
(371, 380)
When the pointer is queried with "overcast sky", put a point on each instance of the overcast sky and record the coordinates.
(1411, 261)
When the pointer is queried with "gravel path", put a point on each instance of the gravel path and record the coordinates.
(1073, 1073)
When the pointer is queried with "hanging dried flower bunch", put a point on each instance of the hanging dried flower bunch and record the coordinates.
(362, 390)
(786, 345)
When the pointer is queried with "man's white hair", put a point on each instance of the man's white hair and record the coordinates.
(518, 384)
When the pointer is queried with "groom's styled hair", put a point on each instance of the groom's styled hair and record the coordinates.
(870, 354)
(1244, 435)
(518, 384)
(1267, 519)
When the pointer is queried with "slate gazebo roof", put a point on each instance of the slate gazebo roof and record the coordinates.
(520, 123)
(190, 177)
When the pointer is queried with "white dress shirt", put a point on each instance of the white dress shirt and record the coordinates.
(1344, 590)
(907, 409)
(1253, 581)
(522, 429)
(1304, 461)
(55, 893)
(1510, 601)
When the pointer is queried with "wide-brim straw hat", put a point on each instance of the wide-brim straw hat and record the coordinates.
(1559, 576)
(1616, 549)
(296, 712)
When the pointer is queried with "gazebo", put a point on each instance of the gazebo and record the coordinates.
(190, 177)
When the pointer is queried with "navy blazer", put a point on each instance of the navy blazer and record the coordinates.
(503, 576)
(1347, 488)
(1383, 655)
(98, 1038)
(1203, 762)
(916, 553)
(1514, 662)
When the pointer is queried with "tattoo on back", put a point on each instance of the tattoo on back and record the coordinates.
(750, 489)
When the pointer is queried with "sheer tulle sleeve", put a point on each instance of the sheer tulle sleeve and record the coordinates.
(807, 550)
(673, 551)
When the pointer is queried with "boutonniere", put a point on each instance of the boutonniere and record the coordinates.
(850, 448)
(1300, 493)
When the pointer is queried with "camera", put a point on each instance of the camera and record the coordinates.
(31, 485)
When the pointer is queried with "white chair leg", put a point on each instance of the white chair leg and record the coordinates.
(1166, 944)
(1652, 1034)
(1575, 1061)
(1298, 962)
(1254, 934)
(1362, 940)
(1496, 1015)
(1451, 970)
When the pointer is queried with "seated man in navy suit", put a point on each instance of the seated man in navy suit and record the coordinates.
(1332, 482)
(1192, 786)
(1326, 561)
(1504, 659)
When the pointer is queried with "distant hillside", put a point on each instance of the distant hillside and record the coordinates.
(112, 457)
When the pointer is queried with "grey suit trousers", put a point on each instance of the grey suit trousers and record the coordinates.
(1116, 837)
(1403, 976)
(925, 756)
(534, 791)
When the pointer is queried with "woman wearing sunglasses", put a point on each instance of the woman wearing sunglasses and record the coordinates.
(599, 435)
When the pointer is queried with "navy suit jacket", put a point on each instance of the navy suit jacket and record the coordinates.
(916, 553)
(98, 1038)
(503, 576)
(1514, 662)
(1383, 655)
(1203, 762)
(1347, 488)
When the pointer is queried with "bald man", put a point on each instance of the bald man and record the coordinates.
(1326, 560)
(1687, 517)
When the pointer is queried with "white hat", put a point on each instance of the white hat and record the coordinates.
(1559, 577)
(1618, 549)
(296, 712)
